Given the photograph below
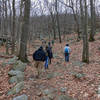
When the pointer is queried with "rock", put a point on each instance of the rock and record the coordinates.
(55, 55)
(39, 94)
(63, 89)
(22, 97)
(13, 60)
(16, 89)
(15, 73)
(79, 75)
(99, 90)
(64, 97)
(78, 63)
(52, 75)
(4, 64)
(16, 79)
(49, 91)
(19, 66)
(13, 80)
(49, 76)
(44, 98)
(16, 76)
(51, 96)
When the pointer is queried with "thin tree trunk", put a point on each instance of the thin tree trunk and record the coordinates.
(57, 18)
(53, 24)
(0, 17)
(25, 31)
(13, 29)
(6, 27)
(91, 38)
(85, 55)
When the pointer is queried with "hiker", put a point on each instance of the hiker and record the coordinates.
(44, 43)
(52, 42)
(49, 50)
(47, 58)
(39, 57)
(67, 51)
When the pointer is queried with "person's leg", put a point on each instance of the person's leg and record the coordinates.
(65, 58)
(50, 60)
(41, 65)
(36, 64)
(46, 63)
(68, 58)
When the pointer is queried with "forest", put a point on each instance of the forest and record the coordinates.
(49, 49)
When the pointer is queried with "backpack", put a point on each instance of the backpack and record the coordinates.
(66, 50)
(39, 55)
(49, 50)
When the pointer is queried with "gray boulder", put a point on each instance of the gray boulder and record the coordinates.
(13, 60)
(16, 89)
(64, 97)
(52, 75)
(78, 63)
(22, 97)
(16, 79)
(44, 98)
(51, 96)
(19, 66)
(49, 91)
(4, 64)
(15, 73)
(13, 80)
(16, 76)
(63, 89)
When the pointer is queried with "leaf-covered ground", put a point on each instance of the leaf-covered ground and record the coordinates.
(60, 74)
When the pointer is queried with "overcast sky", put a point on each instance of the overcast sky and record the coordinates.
(37, 9)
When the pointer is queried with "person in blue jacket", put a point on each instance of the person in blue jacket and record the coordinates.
(67, 51)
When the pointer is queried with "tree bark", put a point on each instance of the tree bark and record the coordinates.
(85, 55)
(25, 32)
(13, 27)
(57, 18)
(91, 38)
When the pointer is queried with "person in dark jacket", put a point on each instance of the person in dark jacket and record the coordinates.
(39, 57)
(47, 58)
(49, 50)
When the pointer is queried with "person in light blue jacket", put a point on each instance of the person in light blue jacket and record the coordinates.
(67, 51)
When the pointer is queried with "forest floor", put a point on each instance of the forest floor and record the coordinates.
(60, 75)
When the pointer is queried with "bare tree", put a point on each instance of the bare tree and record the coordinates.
(85, 55)
(25, 31)
(52, 15)
(13, 27)
(75, 13)
(57, 18)
(92, 6)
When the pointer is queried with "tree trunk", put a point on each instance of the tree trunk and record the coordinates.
(77, 24)
(6, 27)
(10, 17)
(13, 27)
(91, 38)
(25, 30)
(85, 55)
(0, 17)
(53, 24)
(57, 18)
